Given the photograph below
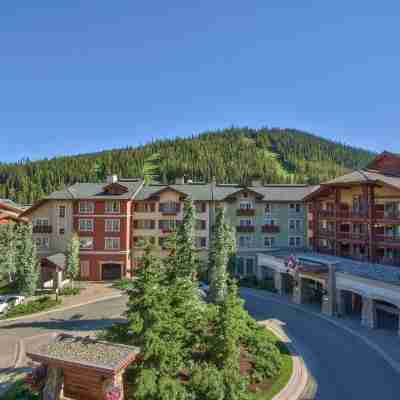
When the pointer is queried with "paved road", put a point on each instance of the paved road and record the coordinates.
(343, 366)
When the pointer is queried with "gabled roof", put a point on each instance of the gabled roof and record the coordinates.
(96, 191)
(209, 192)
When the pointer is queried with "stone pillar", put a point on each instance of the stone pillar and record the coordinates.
(278, 282)
(298, 291)
(340, 303)
(368, 313)
(329, 299)
(54, 384)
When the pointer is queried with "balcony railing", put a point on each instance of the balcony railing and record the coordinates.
(245, 212)
(169, 209)
(388, 239)
(270, 229)
(326, 232)
(353, 236)
(42, 229)
(326, 213)
(387, 215)
(245, 229)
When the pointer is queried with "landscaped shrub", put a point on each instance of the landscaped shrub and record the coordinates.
(207, 382)
(265, 354)
(34, 306)
(20, 391)
(70, 291)
(123, 284)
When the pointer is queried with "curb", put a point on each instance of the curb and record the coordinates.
(297, 384)
(4, 321)
(393, 363)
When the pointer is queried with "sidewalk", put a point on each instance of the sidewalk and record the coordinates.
(386, 343)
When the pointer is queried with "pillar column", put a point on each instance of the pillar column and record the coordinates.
(368, 313)
(329, 299)
(340, 303)
(298, 291)
(278, 282)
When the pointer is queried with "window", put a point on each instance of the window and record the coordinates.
(268, 209)
(111, 244)
(61, 211)
(86, 207)
(201, 207)
(86, 225)
(86, 243)
(41, 222)
(112, 225)
(201, 242)
(246, 205)
(85, 269)
(42, 242)
(245, 241)
(295, 225)
(295, 207)
(112, 206)
(168, 224)
(269, 241)
(144, 224)
(249, 266)
(145, 207)
(295, 241)
(246, 222)
(201, 225)
(61, 231)
(270, 221)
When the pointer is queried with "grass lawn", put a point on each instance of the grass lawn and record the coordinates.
(277, 384)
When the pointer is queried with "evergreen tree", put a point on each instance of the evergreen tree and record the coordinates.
(72, 258)
(26, 260)
(186, 259)
(223, 249)
(7, 251)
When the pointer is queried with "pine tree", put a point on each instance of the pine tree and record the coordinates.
(223, 249)
(72, 258)
(7, 251)
(186, 259)
(26, 260)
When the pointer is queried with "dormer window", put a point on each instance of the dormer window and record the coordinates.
(112, 207)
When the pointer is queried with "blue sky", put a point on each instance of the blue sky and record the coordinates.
(91, 75)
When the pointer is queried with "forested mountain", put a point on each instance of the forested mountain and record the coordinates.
(231, 155)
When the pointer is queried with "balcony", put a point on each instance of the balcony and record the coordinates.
(42, 229)
(245, 212)
(326, 232)
(326, 213)
(270, 229)
(387, 215)
(361, 237)
(388, 239)
(246, 229)
(169, 209)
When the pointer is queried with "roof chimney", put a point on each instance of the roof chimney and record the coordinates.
(179, 180)
(112, 179)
